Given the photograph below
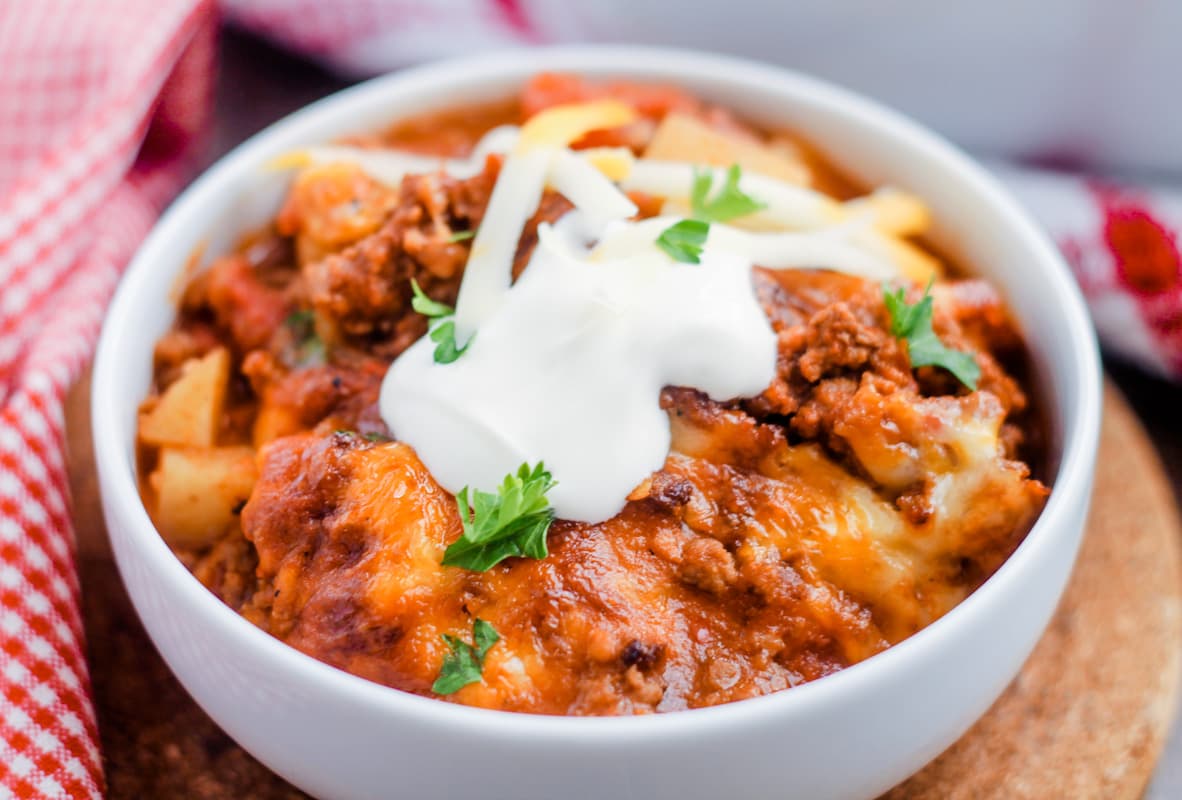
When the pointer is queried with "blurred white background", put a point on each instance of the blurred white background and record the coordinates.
(1089, 83)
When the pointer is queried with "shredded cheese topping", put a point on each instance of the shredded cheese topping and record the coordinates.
(603, 318)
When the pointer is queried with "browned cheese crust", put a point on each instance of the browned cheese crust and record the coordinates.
(787, 536)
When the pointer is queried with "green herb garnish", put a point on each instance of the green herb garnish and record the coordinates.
(511, 523)
(684, 240)
(372, 436)
(440, 326)
(309, 350)
(431, 309)
(463, 663)
(730, 201)
(302, 322)
(912, 322)
(444, 336)
(460, 236)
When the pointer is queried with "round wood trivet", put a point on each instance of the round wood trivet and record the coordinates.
(1088, 714)
(1086, 718)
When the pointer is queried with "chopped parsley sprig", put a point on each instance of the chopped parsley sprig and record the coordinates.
(511, 523)
(683, 241)
(464, 663)
(727, 204)
(373, 436)
(308, 348)
(440, 326)
(912, 323)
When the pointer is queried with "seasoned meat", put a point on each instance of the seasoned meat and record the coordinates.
(778, 544)
(365, 288)
(243, 304)
(786, 536)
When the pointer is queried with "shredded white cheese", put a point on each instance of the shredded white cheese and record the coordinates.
(566, 366)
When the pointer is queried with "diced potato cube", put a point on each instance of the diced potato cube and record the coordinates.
(680, 137)
(189, 411)
(199, 492)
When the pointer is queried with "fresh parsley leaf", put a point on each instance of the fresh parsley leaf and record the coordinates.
(463, 663)
(441, 328)
(444, 336)
(309, 350)
(460, 236)
(684, 240)
(431, 309)
(300, 321)
(485, 636)
(372, 436)
(459, 669)
(912, 322)
(511, 523)
(727, 204)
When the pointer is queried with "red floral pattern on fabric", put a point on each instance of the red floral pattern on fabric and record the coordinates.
(1148, 264)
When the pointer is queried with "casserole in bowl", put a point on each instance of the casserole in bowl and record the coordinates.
(972, 221)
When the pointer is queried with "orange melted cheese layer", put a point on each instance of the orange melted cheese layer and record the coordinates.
(746, 565)
(785, 536)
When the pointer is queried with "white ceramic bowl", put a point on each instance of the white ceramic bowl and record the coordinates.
(850, 735)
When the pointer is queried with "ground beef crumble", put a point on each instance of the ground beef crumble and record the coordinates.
(707, 587)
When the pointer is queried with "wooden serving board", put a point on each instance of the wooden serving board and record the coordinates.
(1086, 717)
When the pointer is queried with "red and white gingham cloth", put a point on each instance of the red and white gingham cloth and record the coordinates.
(99, 104)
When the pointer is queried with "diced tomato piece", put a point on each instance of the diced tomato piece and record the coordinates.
(653, 100)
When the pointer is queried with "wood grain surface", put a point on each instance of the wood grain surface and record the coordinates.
(1086, 717)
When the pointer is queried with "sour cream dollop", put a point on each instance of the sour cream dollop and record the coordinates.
(566, 366)
(569, 369)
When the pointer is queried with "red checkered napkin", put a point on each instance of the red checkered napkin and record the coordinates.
(99, 100)
(97, 104)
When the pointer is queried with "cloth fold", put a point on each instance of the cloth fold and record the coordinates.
(102, 104)
(100, 108)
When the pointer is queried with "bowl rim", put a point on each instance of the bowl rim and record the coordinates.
(1080, 408)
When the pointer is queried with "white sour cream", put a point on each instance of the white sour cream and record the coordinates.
(566, 366)
(569, 368)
